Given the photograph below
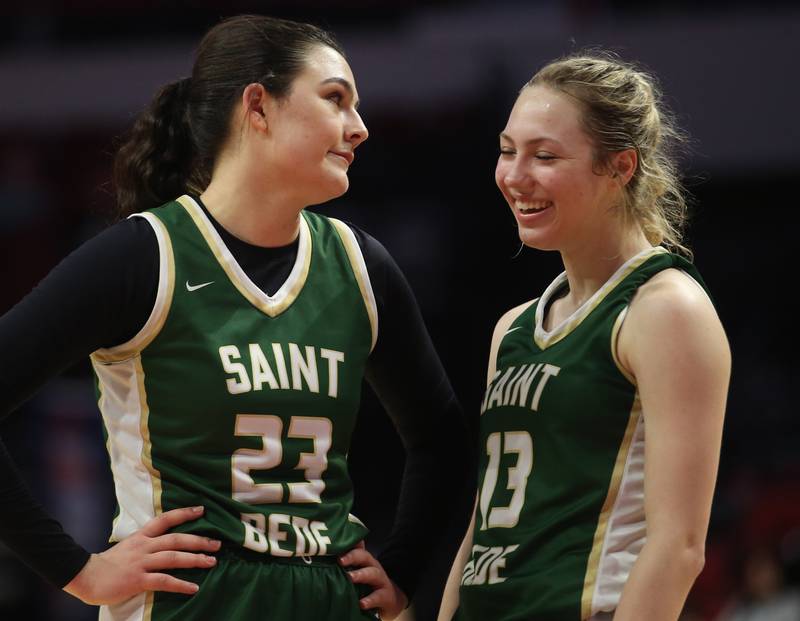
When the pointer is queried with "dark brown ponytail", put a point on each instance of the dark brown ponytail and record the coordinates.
(174, 143)
(154, 162)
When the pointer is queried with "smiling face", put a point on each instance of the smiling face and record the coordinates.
(314, 131)
(546, 173)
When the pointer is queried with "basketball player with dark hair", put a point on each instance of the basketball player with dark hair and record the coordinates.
(230, 330)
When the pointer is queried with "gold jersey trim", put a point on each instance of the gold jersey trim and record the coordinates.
(590, 580)
(148, 606)
(615, 345)
(125, 410)
(361, 273)
(544, 338)
(618, 326)
(271, 305)
(109, 446)
(147, 447)
(166, 288)
(500, 332)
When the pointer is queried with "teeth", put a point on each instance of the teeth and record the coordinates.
(528, 207)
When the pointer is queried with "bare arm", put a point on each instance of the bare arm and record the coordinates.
(450, 595)
(672, 342)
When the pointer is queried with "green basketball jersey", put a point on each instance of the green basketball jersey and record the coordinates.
(240, 401)
(560, 514)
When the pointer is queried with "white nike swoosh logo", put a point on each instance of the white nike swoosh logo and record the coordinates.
(512, 329)
(196, 287)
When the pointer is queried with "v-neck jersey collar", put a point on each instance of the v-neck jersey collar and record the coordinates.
(271, 305)
(545, 338)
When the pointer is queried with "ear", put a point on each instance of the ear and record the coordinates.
(254, 105)
(623, 165)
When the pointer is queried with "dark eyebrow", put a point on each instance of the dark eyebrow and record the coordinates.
(347, 86)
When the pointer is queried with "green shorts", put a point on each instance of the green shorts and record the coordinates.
(242, 588)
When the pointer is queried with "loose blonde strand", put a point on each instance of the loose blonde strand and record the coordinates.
(623, 109)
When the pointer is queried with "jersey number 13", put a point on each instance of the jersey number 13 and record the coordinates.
(499, 443)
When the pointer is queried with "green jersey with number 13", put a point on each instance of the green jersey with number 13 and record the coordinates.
(560, 515)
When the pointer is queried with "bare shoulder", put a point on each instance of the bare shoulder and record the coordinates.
(502, 326)
(671, 310)
(507, 318)
(671, 294)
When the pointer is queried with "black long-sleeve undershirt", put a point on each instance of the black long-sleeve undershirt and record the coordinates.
(102, 294)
